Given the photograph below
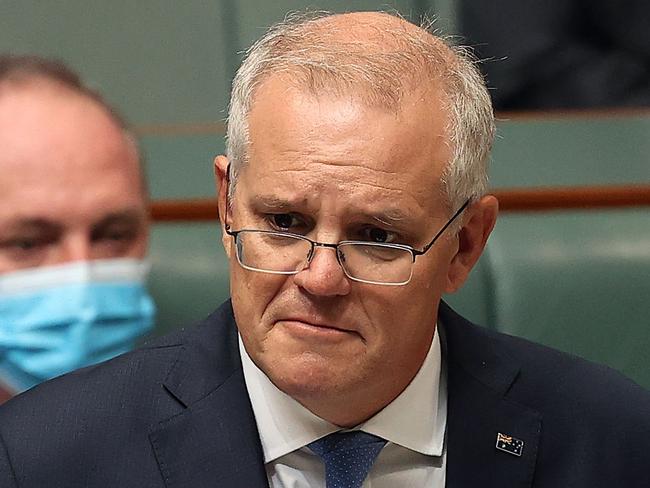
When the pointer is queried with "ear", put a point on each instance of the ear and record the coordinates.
(221, 184)
(479, 222)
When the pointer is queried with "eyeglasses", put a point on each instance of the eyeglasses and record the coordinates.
(285, 253)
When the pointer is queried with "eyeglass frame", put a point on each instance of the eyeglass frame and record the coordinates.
(314, 244)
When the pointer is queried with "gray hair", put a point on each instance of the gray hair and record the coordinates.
(317, 59)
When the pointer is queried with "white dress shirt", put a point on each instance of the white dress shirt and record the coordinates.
(413, 424)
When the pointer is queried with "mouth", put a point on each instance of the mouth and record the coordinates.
(310, 327)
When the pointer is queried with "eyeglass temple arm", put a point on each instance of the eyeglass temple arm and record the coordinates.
(444, 228)
(225, 218)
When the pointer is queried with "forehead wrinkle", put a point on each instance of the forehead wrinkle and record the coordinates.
(355, 164)
(274, 202)
(390, 218)
(330, 174)
(324, 170)
(404, 201)
(389, 213)
(402, 204)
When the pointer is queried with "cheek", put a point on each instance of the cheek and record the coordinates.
(402, 328)
(385, 311)
(226, 241)
(431, 271)
(251, 294)
(406, 310)
(141, 245)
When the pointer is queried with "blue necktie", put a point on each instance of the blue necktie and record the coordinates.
(348, 457)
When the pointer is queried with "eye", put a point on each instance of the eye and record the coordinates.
(377, 234)
(286, 222)
(24, 244)
(25, 250)
(116, 233)
(114, 240)
(283, 221)
(117, 236)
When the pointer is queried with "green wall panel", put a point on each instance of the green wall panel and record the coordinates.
(526, 154)
(158, 61)
(255, 16)
(181, 166)
(572, 152)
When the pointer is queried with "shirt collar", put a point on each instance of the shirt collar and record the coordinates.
(415, 420)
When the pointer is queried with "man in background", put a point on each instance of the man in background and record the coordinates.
(73, 226)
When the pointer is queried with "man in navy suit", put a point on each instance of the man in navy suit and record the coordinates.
(352, 197)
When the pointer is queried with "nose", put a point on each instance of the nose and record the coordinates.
(76, 247)
(323, 276)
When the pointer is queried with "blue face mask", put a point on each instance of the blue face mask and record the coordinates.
(58, 318)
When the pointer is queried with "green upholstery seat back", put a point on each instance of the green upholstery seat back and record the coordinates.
(189, 275)
(576, 281)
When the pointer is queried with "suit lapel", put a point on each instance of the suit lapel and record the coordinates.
(478, 382)
(214, 441)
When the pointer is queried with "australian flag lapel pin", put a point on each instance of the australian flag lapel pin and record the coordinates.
(509, 444)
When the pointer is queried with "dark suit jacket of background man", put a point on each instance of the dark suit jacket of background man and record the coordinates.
(550, 54)
(177, 414)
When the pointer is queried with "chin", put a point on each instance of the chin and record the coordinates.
(304, 377)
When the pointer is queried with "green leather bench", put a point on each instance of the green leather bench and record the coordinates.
(575, 280)
(189, 275)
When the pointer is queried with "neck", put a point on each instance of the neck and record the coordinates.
(349, 409)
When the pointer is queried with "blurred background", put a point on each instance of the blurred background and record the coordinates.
(569, 262)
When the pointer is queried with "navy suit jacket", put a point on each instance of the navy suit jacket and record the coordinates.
(176, 414)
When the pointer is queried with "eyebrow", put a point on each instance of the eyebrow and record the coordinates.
(272, 202)
(31, 224)
(38, 224)
(392, 216)
(125, 217)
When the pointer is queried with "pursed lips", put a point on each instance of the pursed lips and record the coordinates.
(318, 323)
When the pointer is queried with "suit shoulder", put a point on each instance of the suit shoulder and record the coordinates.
(561, 368)
(123, 382)
(544, 378)
(129, 375)
(572, 387)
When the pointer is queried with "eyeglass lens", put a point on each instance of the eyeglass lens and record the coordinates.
(286, 254)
